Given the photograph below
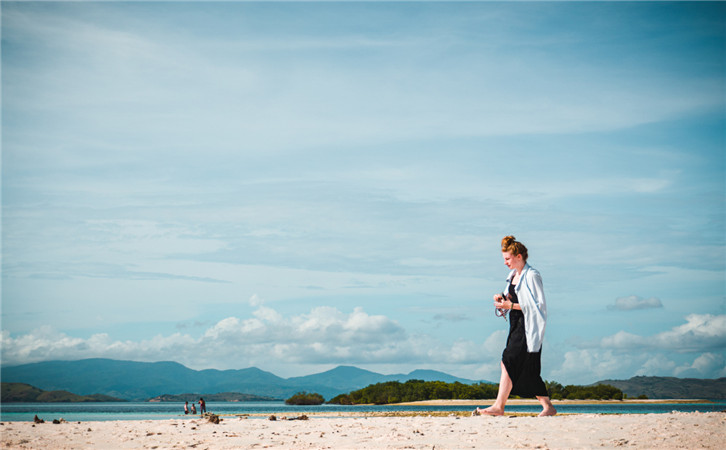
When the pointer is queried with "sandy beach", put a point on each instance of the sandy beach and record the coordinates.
(451, 431)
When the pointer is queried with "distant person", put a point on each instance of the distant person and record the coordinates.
(524, 300)
(202, 406)
(194, 409)
(186, 407)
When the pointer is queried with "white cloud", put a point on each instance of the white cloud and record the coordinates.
(588, 364)
(706, 365)
(657, 365)
(701, 332)
(269, 315)
(496, 342)
(255, 300)
(634, 302)
(623, 340)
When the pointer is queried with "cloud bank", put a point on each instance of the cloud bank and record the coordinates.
(693, 349)
(325, 336)
(322, 336)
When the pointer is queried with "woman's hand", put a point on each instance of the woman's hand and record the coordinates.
(499, 301)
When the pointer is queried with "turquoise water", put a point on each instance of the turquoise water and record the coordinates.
(83, 412)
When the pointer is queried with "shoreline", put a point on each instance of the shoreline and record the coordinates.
(523, 401)
(667, 430)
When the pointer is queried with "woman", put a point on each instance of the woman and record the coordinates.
(521, 360)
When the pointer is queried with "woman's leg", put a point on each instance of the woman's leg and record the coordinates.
(547, 408)
(505, 387)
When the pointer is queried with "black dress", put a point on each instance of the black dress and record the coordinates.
(523, 367)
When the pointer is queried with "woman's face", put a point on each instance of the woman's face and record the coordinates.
(513, 261)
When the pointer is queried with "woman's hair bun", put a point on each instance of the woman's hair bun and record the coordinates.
(512, 245)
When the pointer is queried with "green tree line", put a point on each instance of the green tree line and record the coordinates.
(572, 392)
(418, 390)
(415, 390)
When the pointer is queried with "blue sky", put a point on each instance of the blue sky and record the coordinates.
(295, 186)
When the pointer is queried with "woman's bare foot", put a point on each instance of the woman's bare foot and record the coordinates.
(547, 408)
(491, 411)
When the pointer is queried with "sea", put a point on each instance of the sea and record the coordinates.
(91, 411)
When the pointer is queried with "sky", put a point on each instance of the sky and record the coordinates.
(297, 186)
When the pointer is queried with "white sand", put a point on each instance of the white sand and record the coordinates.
(674, 430)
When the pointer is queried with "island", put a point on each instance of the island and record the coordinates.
(392, 392)
(305, 399)
(21, 392)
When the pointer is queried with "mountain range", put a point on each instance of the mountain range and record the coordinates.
(131, 380)
(136, 381)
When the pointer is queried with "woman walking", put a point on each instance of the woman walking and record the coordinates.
(523, 299)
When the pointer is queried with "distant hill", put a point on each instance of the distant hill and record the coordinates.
(671, 387)
(340, 378)
(21, 392)
(132, 380)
